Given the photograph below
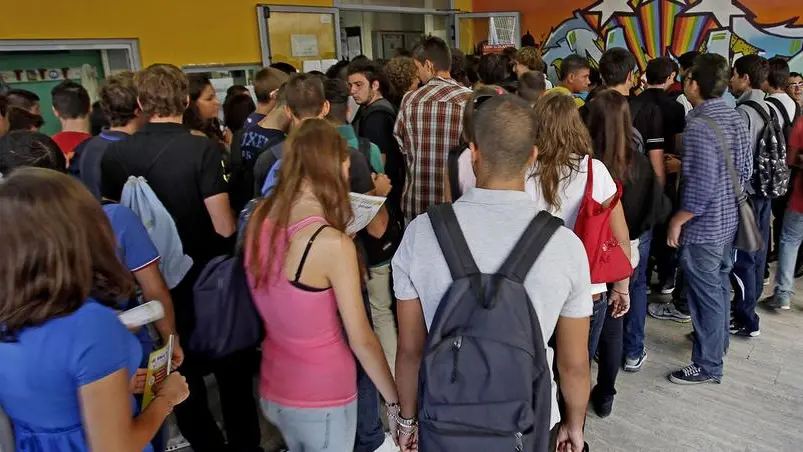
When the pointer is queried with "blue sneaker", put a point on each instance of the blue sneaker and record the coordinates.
(691, 375)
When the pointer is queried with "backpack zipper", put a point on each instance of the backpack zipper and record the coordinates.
(519, 442)
(456, 344)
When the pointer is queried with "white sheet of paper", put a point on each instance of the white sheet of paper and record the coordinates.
(304, 45)
(326, 64)
(365, 209)
(312, 65)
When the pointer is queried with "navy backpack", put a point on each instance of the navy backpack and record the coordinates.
(226, 319)
(484, 382)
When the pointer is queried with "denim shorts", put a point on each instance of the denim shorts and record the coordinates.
(314, 429)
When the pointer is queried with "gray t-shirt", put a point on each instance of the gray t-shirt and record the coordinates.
(559, 284)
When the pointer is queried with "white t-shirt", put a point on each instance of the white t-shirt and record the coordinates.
(465, 172)
(789, 106)
(571, 196)
(682, 100)
(492, 222)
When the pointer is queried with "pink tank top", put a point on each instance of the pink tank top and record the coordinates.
(306, 362)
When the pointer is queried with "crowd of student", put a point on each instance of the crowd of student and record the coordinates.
(637, 176)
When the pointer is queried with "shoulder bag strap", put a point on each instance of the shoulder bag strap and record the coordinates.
(452, 241)
(589, 193)
(760, 110)
(723, 144)
(529, 246)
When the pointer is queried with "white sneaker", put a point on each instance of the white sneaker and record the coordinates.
(388, 445)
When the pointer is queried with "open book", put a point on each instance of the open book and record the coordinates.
(158, 369)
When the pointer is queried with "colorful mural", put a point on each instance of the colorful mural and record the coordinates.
(652, 28)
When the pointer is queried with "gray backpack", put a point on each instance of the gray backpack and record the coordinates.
(484, 382)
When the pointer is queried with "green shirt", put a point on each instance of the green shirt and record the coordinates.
(347, 131)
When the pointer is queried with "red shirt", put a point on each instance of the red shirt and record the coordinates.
(67, 142)
(795, 149)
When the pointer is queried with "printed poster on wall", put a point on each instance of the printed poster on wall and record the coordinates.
(304, 45)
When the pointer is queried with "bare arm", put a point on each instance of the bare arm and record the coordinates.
(153, 286)
(222, 217)
(106, 411)
(412, 339)
(343, 274)
(574, 369)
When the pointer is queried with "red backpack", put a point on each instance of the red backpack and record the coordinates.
(606, 259)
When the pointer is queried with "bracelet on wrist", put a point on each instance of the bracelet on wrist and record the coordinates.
(621, 293)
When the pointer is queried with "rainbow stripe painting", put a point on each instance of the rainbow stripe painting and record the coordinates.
(669, 12)
(690, 31)
(649, 16)
(634, 38)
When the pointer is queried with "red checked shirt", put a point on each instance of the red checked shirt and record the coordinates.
(794, 150)
(429, 124)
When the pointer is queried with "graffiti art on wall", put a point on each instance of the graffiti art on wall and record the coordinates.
(652, 28)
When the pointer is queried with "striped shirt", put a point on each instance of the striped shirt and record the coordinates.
(429, 124)
(707, 190)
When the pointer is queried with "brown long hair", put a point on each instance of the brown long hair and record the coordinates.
(313, 156)
(562, 141)
(609, 123)
(56, 249)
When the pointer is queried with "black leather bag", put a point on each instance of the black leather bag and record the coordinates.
(748, 236)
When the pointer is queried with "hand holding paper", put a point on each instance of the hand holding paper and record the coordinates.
(365, 209)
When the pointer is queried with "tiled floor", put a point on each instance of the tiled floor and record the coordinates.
(757, 408)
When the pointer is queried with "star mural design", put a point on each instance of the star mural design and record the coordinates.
(722, 10)
(608, 8)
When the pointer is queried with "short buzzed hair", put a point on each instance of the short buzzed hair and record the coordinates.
(711, 72)
(71, 100)
(266, 81)
(504, 153)
(572, 64)
(305, 95)
(436, 50)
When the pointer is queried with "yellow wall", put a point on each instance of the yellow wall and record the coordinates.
(180, 32)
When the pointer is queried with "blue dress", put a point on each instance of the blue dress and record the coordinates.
(43, 371)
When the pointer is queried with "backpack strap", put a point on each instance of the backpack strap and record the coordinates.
(156, 159)
(779, 105)
(761, 112)
(452, 241)
(530, 246)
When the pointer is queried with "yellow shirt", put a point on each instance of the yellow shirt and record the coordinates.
(563, 90)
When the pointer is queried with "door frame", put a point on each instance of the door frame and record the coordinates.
(458, 16)
(39, 45)
(263, 14)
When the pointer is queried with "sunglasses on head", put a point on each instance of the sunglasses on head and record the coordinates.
(796, 85)
(484, 98)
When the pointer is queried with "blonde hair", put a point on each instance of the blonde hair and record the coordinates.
(562, 140)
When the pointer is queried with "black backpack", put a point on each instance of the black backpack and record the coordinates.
(484, 382)
(770, 171)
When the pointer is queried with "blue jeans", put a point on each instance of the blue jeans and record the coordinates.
(791, 237)
(748, 270)
(313, 429)
(597, 322)
(633, 340)
(707, 268)
(370, 433)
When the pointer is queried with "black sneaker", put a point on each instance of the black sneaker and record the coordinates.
(744, 331)
(691, 375)
(603, 405)
(667, 288)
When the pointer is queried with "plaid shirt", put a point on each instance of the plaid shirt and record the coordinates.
(707, 190)
(429, 124)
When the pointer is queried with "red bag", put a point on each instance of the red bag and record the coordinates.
(606, 258)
